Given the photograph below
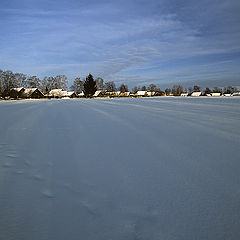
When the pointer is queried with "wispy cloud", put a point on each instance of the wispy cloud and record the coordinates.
(112, 39)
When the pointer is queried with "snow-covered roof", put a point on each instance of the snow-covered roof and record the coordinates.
(141, 93)
(69, 94)
(236, 94)
(196, 94)
(57, 93)
(81, 94)
(17, 89)
(150, 94)
(115, 93)
(216, 94)
(125, 94)
(98, 92)
(29, 90)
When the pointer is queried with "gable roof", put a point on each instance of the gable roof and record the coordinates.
(141, 93)
(56, 93)
(18, 89)
(29, 91)
(98, 92)
(196, 94)
(81, 94)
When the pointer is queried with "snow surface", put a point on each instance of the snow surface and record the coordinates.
(129, 169)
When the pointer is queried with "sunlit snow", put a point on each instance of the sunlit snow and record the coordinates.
(120, 169)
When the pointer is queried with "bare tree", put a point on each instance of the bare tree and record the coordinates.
(123, 88)
(196, 88)
(207, 91)
(110, 86)
(61, 82)
(8, 81)
(177, 90)
(152, 88)
(168, 91)
(135, 89)
(217, 90)
(229, 90)
(190, 90)
(77, 86)
(32, 82)
(99, 83)
(1, 72)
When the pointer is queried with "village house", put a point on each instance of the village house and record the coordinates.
(16, 92)
(184, 94)
(100, 93)
(81, 94)
(215, 94)
(57, 93)
(196, 94)
(124, 94)
(32, 93)
(141, 94)
(113, 94)
(236, 94)
(150, 94)
(70, 94)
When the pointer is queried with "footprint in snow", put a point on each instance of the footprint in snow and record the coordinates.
(7, 165)
(47, 193)
(37, 177)
(12, 155)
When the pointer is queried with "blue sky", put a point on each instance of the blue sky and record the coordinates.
(135, 42)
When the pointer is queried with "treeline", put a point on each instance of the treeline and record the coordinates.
(177, 90)
(89, 85)
(78, 86)
(9, 80)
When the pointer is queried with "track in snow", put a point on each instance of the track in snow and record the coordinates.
(137, 169)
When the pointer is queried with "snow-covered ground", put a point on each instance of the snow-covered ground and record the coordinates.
(120, 169)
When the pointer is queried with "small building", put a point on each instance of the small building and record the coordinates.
(150, 94)
(81, 94)
(141, 94)
(113, 94)
(99, 93)
(236, 94)
(32, 93)
(227, 94)
(16, 92)
(184, 94)
(124, 94)
(196, 94)
(117, 93)
(57, 93)
(215, 94)
(70, 94)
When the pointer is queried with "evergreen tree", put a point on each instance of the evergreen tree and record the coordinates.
(89, 86)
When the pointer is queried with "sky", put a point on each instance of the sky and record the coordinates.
(133, 42)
